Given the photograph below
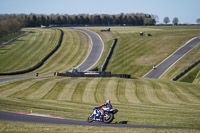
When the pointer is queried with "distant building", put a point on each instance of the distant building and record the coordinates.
(42, 26)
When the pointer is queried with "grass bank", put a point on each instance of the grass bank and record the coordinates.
(183, 64)
(140, 101)
(7, 37)
(30, 49)
(136, 55)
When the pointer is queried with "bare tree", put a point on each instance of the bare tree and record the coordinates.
(156, 18)
(166, 20)
(10, 24)
(175, 21)
(198, 21)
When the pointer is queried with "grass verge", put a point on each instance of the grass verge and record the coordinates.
(16, 127)
(140, 101)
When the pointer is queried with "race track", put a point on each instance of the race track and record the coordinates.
(14, 78)
(172, 59)
(91, 60)
(93, 57)
(15, 117)
(96, 51)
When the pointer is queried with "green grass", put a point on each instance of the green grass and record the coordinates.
(140, 101)
(16, 127)
(30, 49)
(74, 49)
(191, 75)
(197, 79)
(136, 55)
(133, 54)
(7, 37)
(183, 64)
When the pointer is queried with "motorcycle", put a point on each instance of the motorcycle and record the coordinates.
(106, 117)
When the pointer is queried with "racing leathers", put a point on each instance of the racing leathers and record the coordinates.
(101, 110)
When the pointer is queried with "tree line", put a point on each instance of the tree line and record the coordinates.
(10, 23)
(85, 19)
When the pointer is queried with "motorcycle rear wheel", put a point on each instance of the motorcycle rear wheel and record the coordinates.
(109, 118)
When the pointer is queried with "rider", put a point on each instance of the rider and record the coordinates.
(101, 110)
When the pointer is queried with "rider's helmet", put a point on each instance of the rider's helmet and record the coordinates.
(107, 101)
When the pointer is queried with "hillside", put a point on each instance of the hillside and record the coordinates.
(140, 101)
(30, 49)
(136, 55)
(184, 63)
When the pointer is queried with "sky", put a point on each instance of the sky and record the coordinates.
(187, 11)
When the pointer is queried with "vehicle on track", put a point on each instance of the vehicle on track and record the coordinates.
(106, 117)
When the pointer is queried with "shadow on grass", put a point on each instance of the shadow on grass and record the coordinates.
(32, 32)
(122, 122)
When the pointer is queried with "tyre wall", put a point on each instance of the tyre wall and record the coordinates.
(100, 74)
(104, 66)
(186, 70)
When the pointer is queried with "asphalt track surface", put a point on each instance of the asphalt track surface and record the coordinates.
(172, 59)
(95, 53)
(12, 78)
(15, 78)
(15, 117)
(14, 38)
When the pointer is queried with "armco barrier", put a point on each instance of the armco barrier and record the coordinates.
(186, 70)
(41, 62)
(93, 74)
(103, 68)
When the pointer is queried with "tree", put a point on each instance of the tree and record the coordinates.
(34, 21)
(166, 20)
(43, 20)
(156, 18)
(149, 21)
(175, 21)
(11, 23)
(14, 22)
(198, 20)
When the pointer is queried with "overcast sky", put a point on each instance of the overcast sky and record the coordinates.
(186, 10)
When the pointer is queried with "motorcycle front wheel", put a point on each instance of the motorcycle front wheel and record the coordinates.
(90, 118)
